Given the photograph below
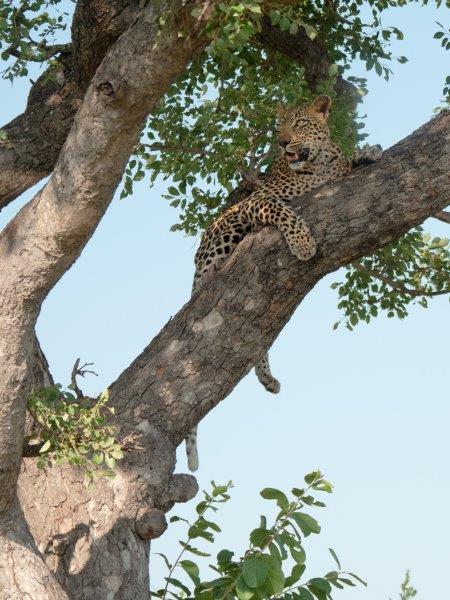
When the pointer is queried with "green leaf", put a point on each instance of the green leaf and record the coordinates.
(306, 523)
(225, 556)
(178, 584)
(254, 570)
(166, 560)
(334, 555)
(97, 458)
(298, 555)
(313, 476)
(46, 446)
(357, 578)
(284, 23)
(191, 569)
(242, 590)
(275, 576)
(296, 573)
(304, 594)
(259, 537)
(274, 494)
(193, 550)
(275, 17)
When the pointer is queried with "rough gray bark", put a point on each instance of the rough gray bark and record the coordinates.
(48, 234)
(96, 542)
(35, 138)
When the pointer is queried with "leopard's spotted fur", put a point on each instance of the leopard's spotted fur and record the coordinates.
(308, 158)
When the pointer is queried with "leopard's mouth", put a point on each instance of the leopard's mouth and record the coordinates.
(299, 156)
(291, 157)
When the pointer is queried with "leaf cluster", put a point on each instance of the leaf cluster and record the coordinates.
(274, 562)
(27, 30)
(215, 127)
(74, 431)
(407, 590)
(411, 270)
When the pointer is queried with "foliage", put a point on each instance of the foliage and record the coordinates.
(74, 431)
(410, 270)
(407, 590)
(217, 125)
(274, 562)
(27, 32)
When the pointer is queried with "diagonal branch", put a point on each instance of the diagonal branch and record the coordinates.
(204, 351)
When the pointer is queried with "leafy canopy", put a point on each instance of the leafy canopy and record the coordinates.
(215, 125)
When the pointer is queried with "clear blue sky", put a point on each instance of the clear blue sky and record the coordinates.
(371, 408)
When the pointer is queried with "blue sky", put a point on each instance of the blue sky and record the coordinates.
(369, 408)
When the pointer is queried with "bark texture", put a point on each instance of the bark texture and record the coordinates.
(35, 138)
(48, 234)
(204, 351)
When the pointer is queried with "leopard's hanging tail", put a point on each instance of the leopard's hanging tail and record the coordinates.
(263, 373)
(191, 449)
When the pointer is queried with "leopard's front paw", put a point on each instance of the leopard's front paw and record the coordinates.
(302, 249)
(367, 155)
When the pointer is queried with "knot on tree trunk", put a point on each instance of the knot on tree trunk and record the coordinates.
(183, 487)
(150, 523)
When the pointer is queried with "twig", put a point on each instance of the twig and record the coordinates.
(443, 215)
(79, 371)
(397, 285)
(131, 443)
(48, 52)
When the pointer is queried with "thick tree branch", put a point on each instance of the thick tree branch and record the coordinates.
(43, 240)
(239, 314)
(35, 138)
(204, 351)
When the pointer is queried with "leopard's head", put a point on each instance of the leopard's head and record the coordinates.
(303, 131)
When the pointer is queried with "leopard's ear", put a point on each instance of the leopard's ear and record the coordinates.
(281, 111)
(321, 107)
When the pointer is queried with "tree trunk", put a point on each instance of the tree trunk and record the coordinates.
(96, 541)
(48, 234)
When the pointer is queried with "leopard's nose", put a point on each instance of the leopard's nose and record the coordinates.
(283, 143)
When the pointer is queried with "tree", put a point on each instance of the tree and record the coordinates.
(128, 60)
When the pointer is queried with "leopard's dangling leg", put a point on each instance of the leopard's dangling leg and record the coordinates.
(262, 370)
(191, 449)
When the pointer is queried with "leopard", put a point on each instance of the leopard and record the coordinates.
(308, 158)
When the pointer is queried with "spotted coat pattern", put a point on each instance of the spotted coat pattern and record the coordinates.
(308, 158)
